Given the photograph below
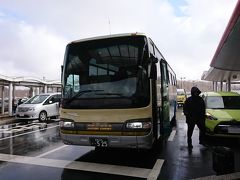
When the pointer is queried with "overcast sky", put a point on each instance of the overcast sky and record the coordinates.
(33, 34)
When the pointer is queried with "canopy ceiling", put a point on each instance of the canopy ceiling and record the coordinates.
(226, 61)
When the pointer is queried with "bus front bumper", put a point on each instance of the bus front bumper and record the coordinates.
(136, 142)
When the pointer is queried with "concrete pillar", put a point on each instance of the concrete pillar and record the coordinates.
(229, 84)
(31, 92)
(221, 86)
(2, 109)
(50, 89)
(215, 87)
(13, 99)
(45, 89)
(10, 99)
(59, 89)
(13, 92)
(36, 90)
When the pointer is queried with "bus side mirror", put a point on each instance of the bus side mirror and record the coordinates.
(153, 68)
(153, 71)
(61, 72)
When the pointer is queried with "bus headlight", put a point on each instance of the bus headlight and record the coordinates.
(138, 124)
(134, 125)
(66, 124)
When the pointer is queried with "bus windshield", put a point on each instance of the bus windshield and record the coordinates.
(106, 73)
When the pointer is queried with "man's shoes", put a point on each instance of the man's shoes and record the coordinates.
(190, 146)
(203, 143)
(189, 141)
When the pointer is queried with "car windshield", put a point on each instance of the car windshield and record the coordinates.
(223, 102)
(37, 99)
(180, 93)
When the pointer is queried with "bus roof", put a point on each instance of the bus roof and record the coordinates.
(108, 36)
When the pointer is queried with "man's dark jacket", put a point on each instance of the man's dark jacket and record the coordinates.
(194, 107)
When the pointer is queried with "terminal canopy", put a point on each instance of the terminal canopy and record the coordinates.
(225, 64)
(28, 81)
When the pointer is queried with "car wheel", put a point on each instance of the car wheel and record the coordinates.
(43, 116)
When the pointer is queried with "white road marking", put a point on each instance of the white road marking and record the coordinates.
(86, 166)
(153, 175)
(19, 128)
(49, 152)
(172, 135)
(28, 133)
(221, 177)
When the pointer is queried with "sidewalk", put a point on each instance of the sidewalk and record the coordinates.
(6, 119)
(182, 163)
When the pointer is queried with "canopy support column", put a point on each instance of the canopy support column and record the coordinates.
(10, 98)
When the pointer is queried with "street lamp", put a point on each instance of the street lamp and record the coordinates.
(182, 82)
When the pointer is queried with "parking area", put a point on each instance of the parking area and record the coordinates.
(199, 162)
(38, 146)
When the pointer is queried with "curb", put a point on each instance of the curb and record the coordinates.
(7, 120)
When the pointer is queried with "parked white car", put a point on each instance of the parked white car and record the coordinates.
(41, 107)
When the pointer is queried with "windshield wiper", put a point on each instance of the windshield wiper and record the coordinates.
(111, 94)
(81, 93)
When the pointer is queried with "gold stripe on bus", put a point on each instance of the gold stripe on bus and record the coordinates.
(106, 115)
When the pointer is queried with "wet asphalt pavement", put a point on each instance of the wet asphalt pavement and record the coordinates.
(35, 151)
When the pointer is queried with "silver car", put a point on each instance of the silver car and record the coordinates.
(42, 107)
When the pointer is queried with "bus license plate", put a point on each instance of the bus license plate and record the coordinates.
(99, 142)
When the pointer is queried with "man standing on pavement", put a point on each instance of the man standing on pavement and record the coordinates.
(194, 110)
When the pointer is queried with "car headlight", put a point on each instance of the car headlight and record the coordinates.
(31, 109)
(139, 124)
(210, 117)
(66, 124)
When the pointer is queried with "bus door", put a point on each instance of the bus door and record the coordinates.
(165, 122)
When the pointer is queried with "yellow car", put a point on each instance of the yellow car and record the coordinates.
(181, 97)
(222, 113)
